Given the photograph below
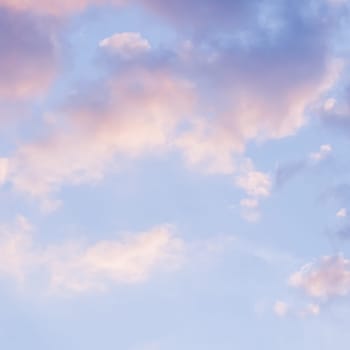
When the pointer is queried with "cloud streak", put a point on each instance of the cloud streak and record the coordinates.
(82, 267)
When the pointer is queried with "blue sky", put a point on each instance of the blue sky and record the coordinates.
(174, 175)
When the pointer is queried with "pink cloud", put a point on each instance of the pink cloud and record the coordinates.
(54, 7)
(138, 117)
(326, 278)
(78, 267)
(205, 101)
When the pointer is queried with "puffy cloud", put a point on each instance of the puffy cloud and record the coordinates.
(326, 278)
(77, 267)
(324, 152)
(257, 89)
(255, 183)
(207, 99)
(127, 44)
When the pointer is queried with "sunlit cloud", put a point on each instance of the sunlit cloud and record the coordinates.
(76, 266)
(329, 277)
(127, 44)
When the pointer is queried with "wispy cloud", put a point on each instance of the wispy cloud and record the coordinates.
(79, 267)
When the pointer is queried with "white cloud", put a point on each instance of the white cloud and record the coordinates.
(129, 260)
(328, 277)
(323, 153)
(342, 213)
(255, 183)
(127, 44)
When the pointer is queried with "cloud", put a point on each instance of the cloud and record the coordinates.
(3, 170)
(54, 7)
(203, 16)
(329, 104)
(127, 44)
(249, 203)
(255, 89)
(342, 213)
(324, 152)
(336, 111)
(329, 277)
(130, 260)
(206, 99)
(28, 55)
(78, 267)
(135, 114)
(281, 308)
(16, 256)
(255, 183)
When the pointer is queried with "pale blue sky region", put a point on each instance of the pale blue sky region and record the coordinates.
(174, 175)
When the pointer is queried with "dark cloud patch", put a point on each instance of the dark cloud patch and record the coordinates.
(28, 58)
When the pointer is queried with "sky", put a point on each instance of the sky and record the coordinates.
(174, 174)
